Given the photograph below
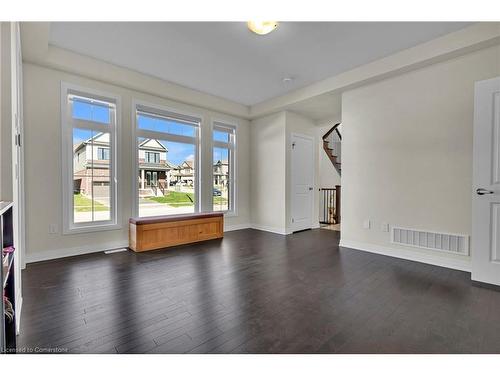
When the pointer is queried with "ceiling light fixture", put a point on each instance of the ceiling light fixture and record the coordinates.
(262, 27)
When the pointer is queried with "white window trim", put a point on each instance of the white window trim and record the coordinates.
(232, 163)
(136, 133)
(69, 226)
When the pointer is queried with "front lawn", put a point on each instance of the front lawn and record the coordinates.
(84, 204)
(220, 200)
(178, 199)
(175, 198)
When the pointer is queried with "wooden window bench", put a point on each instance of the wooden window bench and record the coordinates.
(157, 232)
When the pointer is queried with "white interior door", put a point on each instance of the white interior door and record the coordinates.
(486, 190)
(302, 176)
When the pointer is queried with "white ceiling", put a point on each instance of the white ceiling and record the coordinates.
(227, 60)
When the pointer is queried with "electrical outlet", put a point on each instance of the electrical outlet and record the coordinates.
(384, 227)
(52, 228)
(366, 224)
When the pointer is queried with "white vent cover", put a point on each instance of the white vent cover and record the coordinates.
(451, 243)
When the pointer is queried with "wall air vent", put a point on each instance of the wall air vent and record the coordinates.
(450, 243)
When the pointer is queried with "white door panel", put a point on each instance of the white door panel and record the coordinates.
(302, 173)
(486, 190)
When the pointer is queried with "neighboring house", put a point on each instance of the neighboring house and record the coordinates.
(184, 173)
(156, 174)
(154, 169)
(221, 173)
(91, 166)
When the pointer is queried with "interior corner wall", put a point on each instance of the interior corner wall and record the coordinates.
(267, 173)
(407, 155)
(271, 169)
(43, 186)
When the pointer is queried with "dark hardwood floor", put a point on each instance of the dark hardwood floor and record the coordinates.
(256, 292)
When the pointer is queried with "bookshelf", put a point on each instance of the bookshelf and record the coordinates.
(7, 320)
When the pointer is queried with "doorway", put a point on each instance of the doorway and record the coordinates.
(486, 183)
(302, 178)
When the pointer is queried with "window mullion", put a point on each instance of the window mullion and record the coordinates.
(220, 144)
(90, 125)
(141, 133)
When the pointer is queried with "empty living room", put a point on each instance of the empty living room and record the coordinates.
(182, 184)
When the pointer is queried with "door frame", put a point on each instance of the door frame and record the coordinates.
(313, 159)
(17, 162)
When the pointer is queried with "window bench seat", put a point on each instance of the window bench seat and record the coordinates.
(158, 232)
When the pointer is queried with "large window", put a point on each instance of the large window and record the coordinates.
(89, 159)
(224, 140)
(167, 162)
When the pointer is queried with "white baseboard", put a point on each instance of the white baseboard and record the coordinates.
(266, 228)
(276, 230)
(229, 228)
(461, 264)
(62, 253)
(40, 256)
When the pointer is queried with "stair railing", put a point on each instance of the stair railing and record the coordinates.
(330, 205)
(162, 187)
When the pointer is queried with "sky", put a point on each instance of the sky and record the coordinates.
(165, 126)
(220, 154)
(90, 112)
(177, 152)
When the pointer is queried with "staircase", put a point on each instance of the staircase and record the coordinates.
(330, 197)
(153, 191)
(332, 145)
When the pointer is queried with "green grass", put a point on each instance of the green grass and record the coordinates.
(220, 200)
(84, 204)
(178, 199)
(175, 198)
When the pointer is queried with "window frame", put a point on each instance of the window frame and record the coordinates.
(68, 123)
(224, 126)
(176, 115)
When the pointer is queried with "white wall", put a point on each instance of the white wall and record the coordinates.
(267, 173)
(407, 154)
(42, 88)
